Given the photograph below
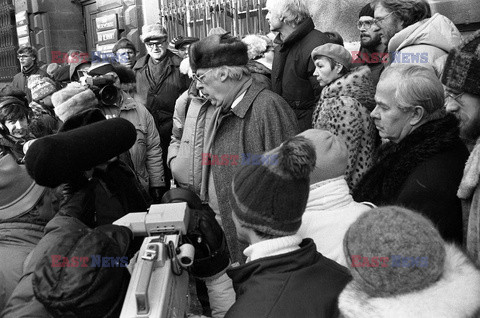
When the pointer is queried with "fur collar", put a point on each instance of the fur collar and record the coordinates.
(395, 162)
(455, 295)
(257, 67)
(356, 84)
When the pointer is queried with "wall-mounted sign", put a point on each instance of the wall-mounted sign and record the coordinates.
(21, 18)
(105, 37)
(22, 31)
(103, 5)
(106, 22)
(24, 41)
(105, 48)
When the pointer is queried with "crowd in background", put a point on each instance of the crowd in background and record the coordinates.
(345, 183)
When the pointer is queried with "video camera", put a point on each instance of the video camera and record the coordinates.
(104, 88)
(159, 283)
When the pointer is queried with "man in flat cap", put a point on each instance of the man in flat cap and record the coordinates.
(159, 84)
(248, 120)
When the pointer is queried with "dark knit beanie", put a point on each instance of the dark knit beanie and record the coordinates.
(271, 197)
(367, 11)
(124, 43)
(218, 50)
(415, 251)
(462, 68)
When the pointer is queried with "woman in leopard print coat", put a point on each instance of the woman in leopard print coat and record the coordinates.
(344, 108)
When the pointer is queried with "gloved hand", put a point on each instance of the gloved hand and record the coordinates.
(78, 201)
(156, 193)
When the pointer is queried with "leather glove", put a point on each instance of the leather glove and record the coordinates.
(156, 193)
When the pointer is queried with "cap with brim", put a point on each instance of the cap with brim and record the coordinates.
(18, 191)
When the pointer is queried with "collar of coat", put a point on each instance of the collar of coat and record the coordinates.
(242, 108)
(172, 60)
(356, 84)
(456, 294)
(299, 33)
(395, 162)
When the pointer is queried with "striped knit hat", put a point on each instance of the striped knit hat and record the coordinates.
(462, 68)
(271, 196)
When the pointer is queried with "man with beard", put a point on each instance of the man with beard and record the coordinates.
(372, 50)
(462, 80)
(28, 58)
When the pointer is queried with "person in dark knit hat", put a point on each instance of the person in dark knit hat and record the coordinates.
(268, 201)
(372, 49)
(402, 267)
(126, 52)
(462, 80)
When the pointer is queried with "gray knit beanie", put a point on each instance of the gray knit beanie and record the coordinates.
(415, 251)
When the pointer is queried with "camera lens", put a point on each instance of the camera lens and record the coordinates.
(108, 95)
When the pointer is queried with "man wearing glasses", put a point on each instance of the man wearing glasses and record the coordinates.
(372, 49)
(27, 56)
(461, 78)
(412, 34)
(159, 84)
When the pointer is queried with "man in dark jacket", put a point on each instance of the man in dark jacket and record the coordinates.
(284, 275)
(421, 165)
(28, 57)
(159, 84)
(292, 69)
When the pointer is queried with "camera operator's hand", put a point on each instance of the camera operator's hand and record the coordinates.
(156, 193)
(78, 201)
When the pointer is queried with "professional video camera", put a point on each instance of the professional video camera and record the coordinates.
(159, 284)
(102, 86)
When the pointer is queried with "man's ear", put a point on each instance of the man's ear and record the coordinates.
(418, 114)
(222, 74)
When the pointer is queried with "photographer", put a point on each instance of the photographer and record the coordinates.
(146, 154)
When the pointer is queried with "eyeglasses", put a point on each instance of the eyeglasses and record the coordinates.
(455, 97)
(199, 78)
(366, 24)
(377, 21)
(23, 56)
(151, 45)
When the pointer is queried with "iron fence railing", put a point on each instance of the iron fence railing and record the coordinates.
(197, 17)
(8, 41)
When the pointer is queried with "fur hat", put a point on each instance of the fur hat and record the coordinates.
(462, 68)
(41, 87)
(73, 99)
(218, 50)
(334, 51)
(179, 41)
(18, 192)
(124, 43)
(367, 11)
(271, 197)
(153, 31)
(415, 251)
(332, 155)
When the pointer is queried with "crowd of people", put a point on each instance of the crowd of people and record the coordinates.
(345, 183)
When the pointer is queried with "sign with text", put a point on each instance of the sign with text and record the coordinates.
(105, 37)
(107, 22)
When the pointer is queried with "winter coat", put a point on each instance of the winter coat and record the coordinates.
(302, 283)
(260, 73)
(20, 80)
(375, 61)
(24, 303)
(421, 172)
(260, 122)
(159, 94)
(330, 212)
(424, 42)
(344, 110)
(18, 237)
(455, 295)
(146, 153)
(292, 70)
(188, 137)
(469, 192)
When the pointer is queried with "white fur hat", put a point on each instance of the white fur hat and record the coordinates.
(73, 99)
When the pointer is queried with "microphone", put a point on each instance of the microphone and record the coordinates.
(56, 159)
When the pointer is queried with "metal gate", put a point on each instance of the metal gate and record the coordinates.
(9, 65)
(197, 17)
